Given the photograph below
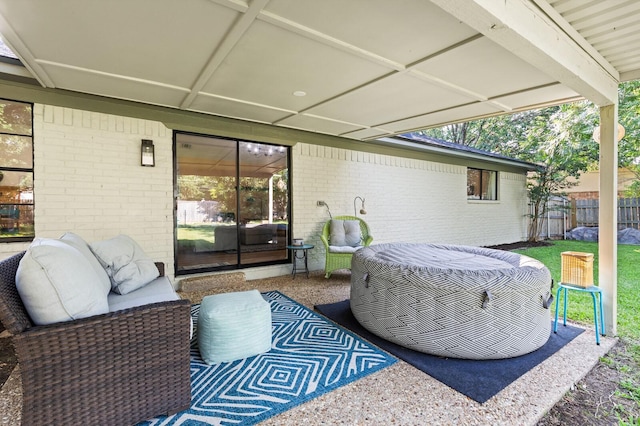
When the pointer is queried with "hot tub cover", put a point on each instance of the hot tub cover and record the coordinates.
(450, 300)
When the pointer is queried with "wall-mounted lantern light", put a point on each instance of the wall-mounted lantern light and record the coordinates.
(148, 153)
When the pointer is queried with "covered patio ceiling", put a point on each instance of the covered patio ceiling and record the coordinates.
(360, 69)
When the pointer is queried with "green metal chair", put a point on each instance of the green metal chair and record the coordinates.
(341, 260)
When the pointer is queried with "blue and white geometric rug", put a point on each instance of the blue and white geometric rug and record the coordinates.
(309, 357)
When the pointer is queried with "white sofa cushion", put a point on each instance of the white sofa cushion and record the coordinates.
(125, 262)
(158, 290)
(82, 246)
(57, 283)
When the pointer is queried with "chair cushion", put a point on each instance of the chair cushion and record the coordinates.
(343, 249)
(233, 326)
(57, 283)
(81, 245)
(352, 234)
(158, 290)
(128, 267)
(345, 233)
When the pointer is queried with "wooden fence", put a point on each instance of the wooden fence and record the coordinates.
(585, 213)
(555, 223)
(190, 212)
(563, 215)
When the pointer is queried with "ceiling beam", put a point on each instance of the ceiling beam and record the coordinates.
(27, 58)
(234, 36)
(522, 28)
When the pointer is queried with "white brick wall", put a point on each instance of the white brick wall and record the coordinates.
(88, 180)
(406, 200)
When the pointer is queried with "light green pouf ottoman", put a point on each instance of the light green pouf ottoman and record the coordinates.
(233, 326)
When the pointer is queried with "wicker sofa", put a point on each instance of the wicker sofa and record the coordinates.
(120, 367)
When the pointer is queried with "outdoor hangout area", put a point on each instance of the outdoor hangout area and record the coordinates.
(307, 344)
(318, 212)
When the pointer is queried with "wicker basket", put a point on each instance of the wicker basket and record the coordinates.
(577, 268)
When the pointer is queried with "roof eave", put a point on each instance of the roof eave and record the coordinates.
(408, 144)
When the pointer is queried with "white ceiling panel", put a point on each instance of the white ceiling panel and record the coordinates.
(495, 70)
(160, 40)
(390, 29)
(316, 124)
(371, 133)
(538, 98)
(234, 109)
(115, 86)
(478, 109)
(254, 71)
(390, 99)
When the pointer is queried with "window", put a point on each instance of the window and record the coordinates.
(16, 171)
(482, 184)
(232, 206)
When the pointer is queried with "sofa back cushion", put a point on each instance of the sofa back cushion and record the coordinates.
(80, 244)
(57, 283)
(345, 233)
(127, 265)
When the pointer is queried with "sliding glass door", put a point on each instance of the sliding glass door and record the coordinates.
(232, 203)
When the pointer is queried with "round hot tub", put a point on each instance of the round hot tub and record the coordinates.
(452, 301)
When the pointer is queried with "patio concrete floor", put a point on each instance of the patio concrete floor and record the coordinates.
(399, 394)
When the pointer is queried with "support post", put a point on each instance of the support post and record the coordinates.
(608, 219)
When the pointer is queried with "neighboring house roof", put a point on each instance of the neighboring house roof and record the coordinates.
(440, 146)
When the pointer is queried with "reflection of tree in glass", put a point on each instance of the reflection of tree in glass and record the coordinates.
(15, 118)
(254, 193)
(194, 188)
(26, 182)
(280, 195)
(223, 191)
(15, 134)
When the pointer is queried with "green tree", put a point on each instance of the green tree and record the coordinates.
(556, 141)
(629, 146)
(194, 188)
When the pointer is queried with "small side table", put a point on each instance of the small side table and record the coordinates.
(294, 253)
(593, 290)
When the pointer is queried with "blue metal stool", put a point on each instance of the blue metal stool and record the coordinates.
(593, 290)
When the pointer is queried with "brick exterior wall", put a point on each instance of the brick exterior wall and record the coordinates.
(406, 200)
(88, 180)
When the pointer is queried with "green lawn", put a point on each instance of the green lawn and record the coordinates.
(196, 236)
(580, 306)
